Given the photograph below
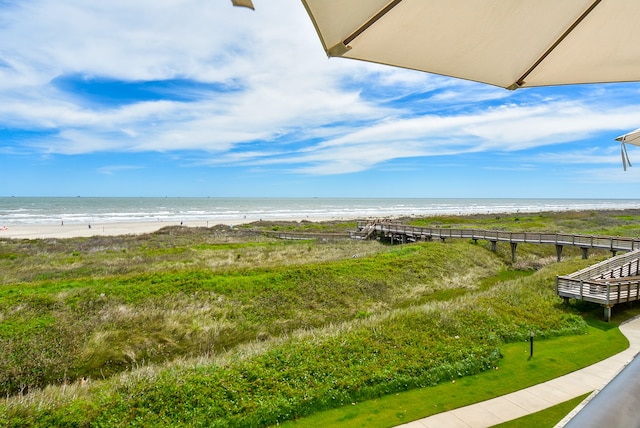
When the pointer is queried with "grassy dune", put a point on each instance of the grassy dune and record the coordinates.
(218, 327)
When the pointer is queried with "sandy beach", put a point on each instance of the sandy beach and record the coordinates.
(40, 231)
(37, 231)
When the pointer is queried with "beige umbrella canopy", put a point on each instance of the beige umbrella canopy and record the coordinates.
(506, 43)
(632, 137)
(243, 3)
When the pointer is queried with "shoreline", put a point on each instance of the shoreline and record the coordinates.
(77, 230)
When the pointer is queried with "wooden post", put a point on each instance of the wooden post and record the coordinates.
(493, 245)
(585, 253)
(607, 312)
(514, 245)
(559, 252)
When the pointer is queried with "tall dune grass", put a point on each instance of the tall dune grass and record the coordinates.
(262, 382)
(99, 325)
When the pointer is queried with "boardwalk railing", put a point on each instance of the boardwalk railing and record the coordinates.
(614, 243)
(305, 235)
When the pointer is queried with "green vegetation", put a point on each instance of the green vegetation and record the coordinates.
(547, 418)
(516, 371)
(102, 326)
(219, 327)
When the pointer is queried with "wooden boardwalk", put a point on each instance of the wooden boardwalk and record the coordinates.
(402, 233)
(305, 236)
(613, 281)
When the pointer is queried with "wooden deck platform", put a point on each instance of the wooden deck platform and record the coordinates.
(612, 281)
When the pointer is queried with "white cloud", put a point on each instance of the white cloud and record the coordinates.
(292, 106)
(587, 156)
(112, 169)
(610, 176)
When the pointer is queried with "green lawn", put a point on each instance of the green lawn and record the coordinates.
(552, 358)
(546, 418)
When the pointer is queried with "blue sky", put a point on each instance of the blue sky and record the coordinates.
(198, 98)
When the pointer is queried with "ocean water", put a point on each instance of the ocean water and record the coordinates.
(19, 210)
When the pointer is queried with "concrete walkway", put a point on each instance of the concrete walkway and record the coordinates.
(541, 396)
